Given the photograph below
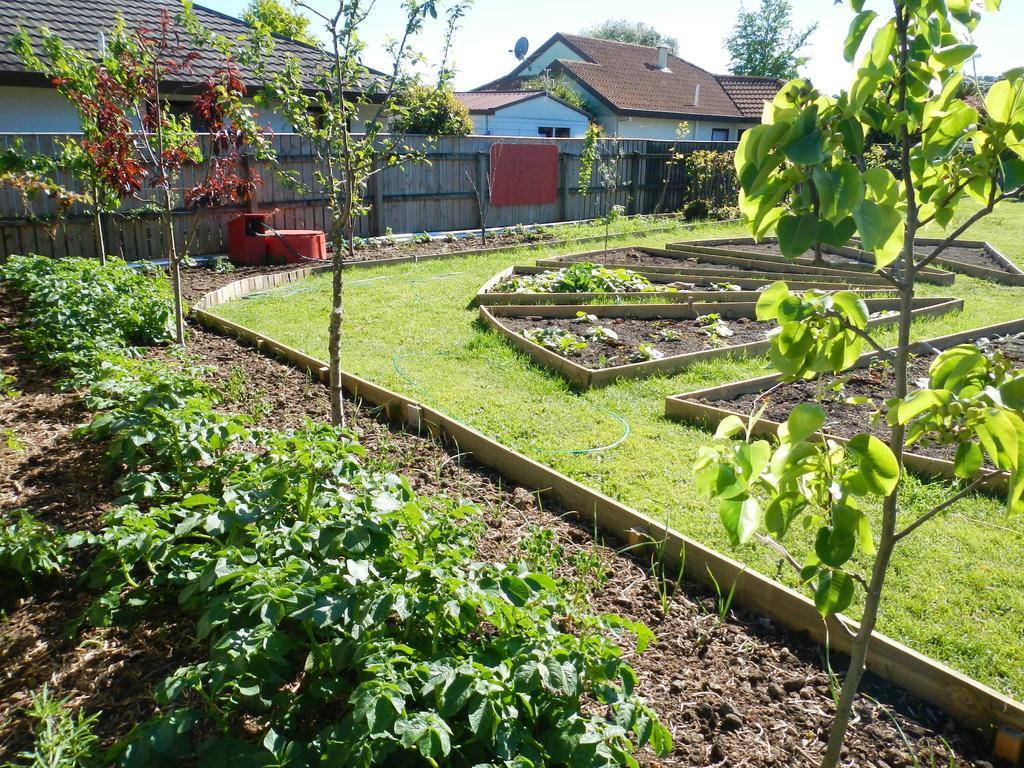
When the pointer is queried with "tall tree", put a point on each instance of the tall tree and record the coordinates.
(763, 42)
(275, 17)
(802, 176)
(630, 31)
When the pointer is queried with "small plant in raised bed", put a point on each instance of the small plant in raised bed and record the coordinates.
(644, 353)
(596, 331)
(422, 238)
(449, 237)
(715, 328)
(557, 340)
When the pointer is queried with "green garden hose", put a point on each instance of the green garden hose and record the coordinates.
(396, 364)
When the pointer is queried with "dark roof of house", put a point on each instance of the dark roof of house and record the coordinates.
(627, 79)
(750, 93)
(489, 102)
(79, 22)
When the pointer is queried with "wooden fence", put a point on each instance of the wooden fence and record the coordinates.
(436, 195)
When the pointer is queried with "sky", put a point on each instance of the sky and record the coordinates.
(490, 29)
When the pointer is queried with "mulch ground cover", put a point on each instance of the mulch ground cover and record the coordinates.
(735, 692)
(974, 255)
(669, 337)
(833, 393)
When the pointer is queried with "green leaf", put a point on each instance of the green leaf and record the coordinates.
(516, 590)
(858, 28)
(834, 546)
(807, 150)
(770, 299)
(852, 307)
(1000, 438)
(952, 55)
(781, 512)
(968, 459)
(804, 421)
(834, 592)
(740, 519)
(1013, 173)
(729, 427)
(1000, 101)
(876, 462)
(796, 233)
(881, 230)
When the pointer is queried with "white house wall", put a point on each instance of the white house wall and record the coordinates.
(45, 110)
(665, 129)
(525, 117)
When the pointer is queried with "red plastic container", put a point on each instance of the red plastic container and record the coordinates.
(246, 242)
(291, 246)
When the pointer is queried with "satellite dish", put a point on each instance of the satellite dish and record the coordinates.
(522, 46)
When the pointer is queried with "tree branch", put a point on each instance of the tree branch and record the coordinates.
(940, 508)
(846, 324)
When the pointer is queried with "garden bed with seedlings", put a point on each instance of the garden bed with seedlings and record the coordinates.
(663, 260)
(598, 344)
(584, 281)
(844, 258)
(853, 400)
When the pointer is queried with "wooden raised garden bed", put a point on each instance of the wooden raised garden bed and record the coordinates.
(713, 266)
(975, 258)
(709, 406)
(681, 334)
(670, 288)
(845, 258)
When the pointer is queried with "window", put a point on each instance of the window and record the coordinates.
(561, 133)
(546, 131)
(719, 134)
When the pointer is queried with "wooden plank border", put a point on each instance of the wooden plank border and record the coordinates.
(582, 377)
(718, 266)
(688, 406)
(724, 246)
(971, 703)
(487, 296)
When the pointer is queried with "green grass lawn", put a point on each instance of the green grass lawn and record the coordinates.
(956, 590)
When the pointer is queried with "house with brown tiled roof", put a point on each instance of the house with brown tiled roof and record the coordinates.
(639, 91)
(29, 103)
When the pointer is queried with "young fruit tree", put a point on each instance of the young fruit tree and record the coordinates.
(802, 176)
(101, 159)
(343, 109)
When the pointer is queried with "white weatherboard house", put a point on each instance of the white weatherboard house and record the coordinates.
(523, 113)
(29, 103)
(642, 92)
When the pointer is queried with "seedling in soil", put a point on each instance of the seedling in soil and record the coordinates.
(715, 328)
(557, 340)
(450, 238)
(644, 353)
(596, 332)
(421, 239)
(723, 603)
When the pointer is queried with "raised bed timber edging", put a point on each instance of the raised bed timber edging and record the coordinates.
(1013, 276)
(393, 260)
(488, 297)
(582, 377)
(718, 265)
(686, 406)
(969, 702)
(720, 246)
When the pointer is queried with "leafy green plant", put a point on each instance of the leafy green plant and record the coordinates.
(28, 547)
(556, 339)
(582, 277)
(76, 308)
(62, 737)
(803, 174)
(423, 238)
(714, 327)
(595, 331)
(645, 352)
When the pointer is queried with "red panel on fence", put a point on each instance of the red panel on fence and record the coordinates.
(524, 174)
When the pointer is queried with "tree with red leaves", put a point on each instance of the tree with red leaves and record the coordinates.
(103, 91)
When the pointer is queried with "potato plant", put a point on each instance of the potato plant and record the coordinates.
(803, 176)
